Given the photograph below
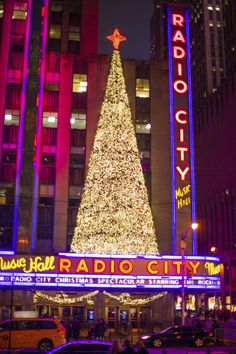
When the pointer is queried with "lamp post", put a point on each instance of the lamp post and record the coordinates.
(183, 245)
(225, 259)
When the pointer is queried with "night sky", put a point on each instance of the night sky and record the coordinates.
(132, 18)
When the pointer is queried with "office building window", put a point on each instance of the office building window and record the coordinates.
(51, 99)
(74, 33)
(78, 138)
(8, 166)
(55, 31)
(19, 10)
(78, 121)
(49, 136)
(47, 171)
(79, 83)
(45, 218)
(142, 88)
(15, 60)
(56, 5)
(10, 134)
(50, 119)
(11, 117)
(1, 9)
(143, 128)
(13, 95)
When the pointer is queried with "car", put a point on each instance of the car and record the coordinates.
(83, 346)
(178, 335)
(31, 333)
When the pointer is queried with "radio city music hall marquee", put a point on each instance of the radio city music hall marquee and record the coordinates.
(181, 120)
(68, 270)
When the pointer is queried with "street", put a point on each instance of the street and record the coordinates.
(190, 350)
(219, 349)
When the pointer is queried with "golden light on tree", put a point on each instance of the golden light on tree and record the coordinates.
(114, 215)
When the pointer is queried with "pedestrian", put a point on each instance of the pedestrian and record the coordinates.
(128, 347)
(116, 347)
(141, 348)
(76, 328)
(68, 329)
(100, 328)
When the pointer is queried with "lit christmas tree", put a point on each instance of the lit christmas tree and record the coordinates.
(114, 215)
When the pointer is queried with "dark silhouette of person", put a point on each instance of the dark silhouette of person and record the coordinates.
(116, 347)
(141, 348)
(68, 329)
(128, 347)
(100, 328)
(76, 326)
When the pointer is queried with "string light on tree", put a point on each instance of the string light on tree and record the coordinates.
(114, 216)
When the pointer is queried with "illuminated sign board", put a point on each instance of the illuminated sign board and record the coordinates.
(104, 271)
(181, 125)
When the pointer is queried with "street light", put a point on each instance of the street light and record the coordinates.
(225, 259)
(193, 226)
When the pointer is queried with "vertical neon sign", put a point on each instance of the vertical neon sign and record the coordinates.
(181, 124)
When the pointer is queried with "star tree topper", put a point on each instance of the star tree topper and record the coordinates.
(116, 38)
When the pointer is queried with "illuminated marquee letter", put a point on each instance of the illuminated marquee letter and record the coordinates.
(194, 266)
(65, 265)
(183, 172)
(178, 115)
(150, 267)
(178, 52)
(178, 37)
(82, 266)
(99, 266)
(177, 20)
(180, 86)
(126, 267)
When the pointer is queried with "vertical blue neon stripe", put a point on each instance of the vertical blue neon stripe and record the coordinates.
(172, 132)
(191, 140)
(39, 128)
(21, 126)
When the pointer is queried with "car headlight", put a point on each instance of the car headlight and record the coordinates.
(145, 337)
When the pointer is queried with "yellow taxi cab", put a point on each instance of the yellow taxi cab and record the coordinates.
(32, 333)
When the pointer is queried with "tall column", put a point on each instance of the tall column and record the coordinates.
(4, 53)
(63, 153)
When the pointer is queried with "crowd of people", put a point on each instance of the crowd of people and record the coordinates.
(73, 327)
(128, 348)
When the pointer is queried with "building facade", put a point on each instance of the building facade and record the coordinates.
(52, 83)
